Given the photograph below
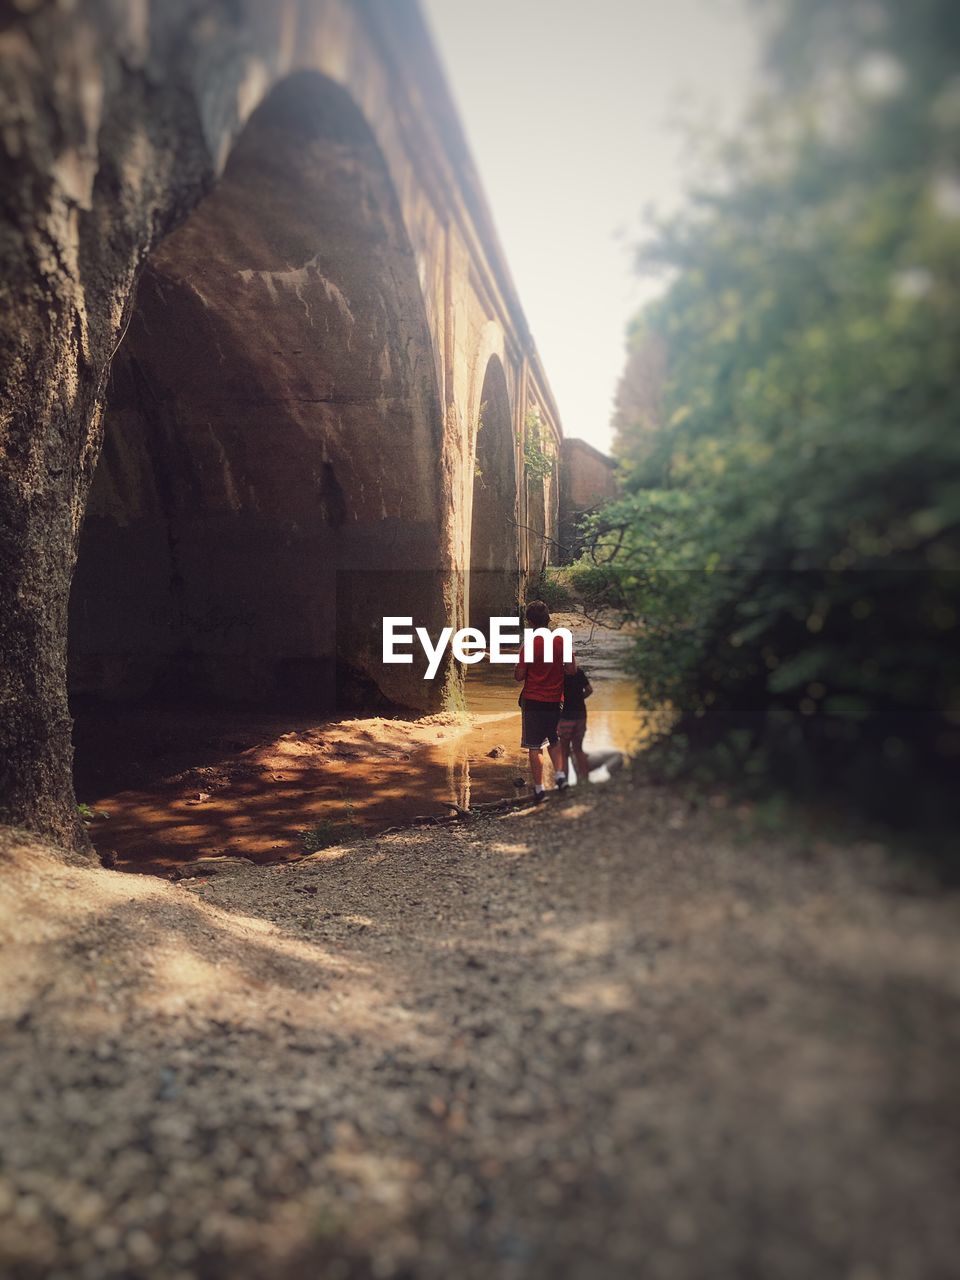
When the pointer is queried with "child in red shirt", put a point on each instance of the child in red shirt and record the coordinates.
(541, 700)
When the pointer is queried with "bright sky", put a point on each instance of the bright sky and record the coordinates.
(571, 110)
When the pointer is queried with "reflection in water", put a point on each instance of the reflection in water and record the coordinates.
(177, 786)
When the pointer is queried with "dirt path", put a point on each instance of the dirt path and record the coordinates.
(603, 1039)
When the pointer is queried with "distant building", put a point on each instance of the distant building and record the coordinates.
(588, 478)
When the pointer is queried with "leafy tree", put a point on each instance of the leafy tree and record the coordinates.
(537, 456)
(637, 416)
(788, 541)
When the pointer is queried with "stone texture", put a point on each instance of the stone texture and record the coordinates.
(494, 529)
(273, 421)
(118, 119)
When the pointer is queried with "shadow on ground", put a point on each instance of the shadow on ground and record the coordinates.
(599, 1039)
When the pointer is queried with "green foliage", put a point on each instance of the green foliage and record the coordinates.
(789, 539)
(552, 587)
(327, 833)
(599, 587)
(89, 814)
(537, 459)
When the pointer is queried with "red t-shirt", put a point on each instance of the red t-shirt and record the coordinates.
(544, 682)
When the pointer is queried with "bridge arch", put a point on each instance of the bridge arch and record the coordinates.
(270, 482)
(494, 547)
(126, 126)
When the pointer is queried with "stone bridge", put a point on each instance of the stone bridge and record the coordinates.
(266, 376)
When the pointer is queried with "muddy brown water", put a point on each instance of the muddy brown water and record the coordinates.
(168, 786)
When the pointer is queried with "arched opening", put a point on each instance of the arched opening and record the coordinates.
(269, 485)
(494, 557)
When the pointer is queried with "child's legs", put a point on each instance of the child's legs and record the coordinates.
(539, 723)
(563, 732)
(554, 747)
(571, 741)
(576, 747)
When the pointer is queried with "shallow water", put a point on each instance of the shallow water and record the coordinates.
(613, 721)
(175, 786)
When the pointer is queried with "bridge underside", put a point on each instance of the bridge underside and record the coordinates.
(273, 432)
(256, 306)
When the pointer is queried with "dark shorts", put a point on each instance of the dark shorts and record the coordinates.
(539, 724)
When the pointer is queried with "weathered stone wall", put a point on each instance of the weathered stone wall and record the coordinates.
(494, 579)
(118, 118)
(587, 479)
(272, 422)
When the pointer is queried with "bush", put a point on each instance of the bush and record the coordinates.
(788, 541)
(552, 587)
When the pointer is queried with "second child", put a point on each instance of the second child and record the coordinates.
(573, 723)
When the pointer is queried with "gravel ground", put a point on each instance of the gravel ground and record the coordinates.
(605, 1038)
